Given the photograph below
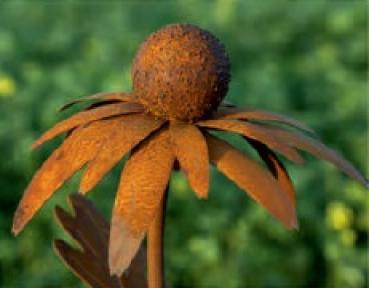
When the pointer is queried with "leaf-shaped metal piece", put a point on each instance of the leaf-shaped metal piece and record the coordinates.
(85, 267)
(127, 133)
(277, 168)
(142, 186)
(319, 150)
(251, 177)
(88, 227)
(80, 147)
(255, 132)
(85, 117)
(106, 96)
(236, 113)
(192, 153)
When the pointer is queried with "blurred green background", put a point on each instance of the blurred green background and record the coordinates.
(306, 59)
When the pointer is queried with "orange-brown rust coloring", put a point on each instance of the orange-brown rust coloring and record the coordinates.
(180, 76)
(181, 72)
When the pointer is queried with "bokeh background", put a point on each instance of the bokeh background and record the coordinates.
(306, 59)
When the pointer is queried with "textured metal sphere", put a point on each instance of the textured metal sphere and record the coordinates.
(181, 72)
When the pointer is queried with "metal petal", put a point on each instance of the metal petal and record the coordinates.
(319, 150)
(141, 188)
(255, 132)
(259, 115)
(127, 133)
(80, 147)
(123, 245)
(251, 177)
(277, 168)
(110, 96)
(192, 153)
(85, 117)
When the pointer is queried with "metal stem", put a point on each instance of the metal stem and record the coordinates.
(155, 252)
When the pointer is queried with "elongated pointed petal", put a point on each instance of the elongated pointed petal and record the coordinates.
(108, 96)
(319, 150)
(144, 179)
(141, 189)
(80, 147)
(255, 132)
(277, 168)
(259, 115)
(85, 117)
(249, 176)
(127, 133)
(192, 153)
(123, 245)
(86, 268)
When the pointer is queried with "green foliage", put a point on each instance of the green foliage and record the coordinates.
(306, 59)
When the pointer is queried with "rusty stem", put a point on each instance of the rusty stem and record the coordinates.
(155, 251)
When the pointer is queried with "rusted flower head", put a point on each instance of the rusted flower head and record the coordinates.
(181, 72)
(170, 85)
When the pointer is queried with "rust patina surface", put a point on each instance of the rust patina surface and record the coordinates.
(180, 76)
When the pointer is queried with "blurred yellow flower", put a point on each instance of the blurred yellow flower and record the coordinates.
(7, 86)
(339, 216)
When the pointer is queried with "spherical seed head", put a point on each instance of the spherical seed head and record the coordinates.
(181, 72)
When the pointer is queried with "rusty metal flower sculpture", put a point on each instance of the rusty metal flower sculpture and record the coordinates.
(180, 77)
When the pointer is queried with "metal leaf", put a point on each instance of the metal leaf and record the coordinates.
(127, 133)
(85, 267)
(85, 117)
(192, 153)
(91, 231)
(255, 132)
(251, 177)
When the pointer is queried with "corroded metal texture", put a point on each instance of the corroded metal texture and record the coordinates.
(79, 148)
(85, 117)
(91, 231)
(181, 72)
(192, 154)
(142, 186)
(128, 131)
(103, 96)
(143, 181)
(252, 178)
(255, 132)
(276, 167)
(259, 115)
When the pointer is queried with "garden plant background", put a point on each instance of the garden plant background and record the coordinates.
(305, 59)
